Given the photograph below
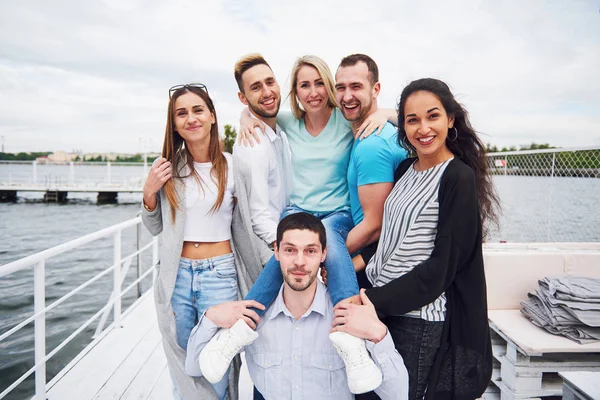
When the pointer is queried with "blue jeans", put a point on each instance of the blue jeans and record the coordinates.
(199, 285)
(341, 278)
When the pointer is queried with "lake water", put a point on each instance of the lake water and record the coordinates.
(534, 210)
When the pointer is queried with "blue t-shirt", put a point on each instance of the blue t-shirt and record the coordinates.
(319, 164)
(373, 160)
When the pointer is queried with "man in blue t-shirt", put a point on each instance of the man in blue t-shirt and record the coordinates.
(372, 161)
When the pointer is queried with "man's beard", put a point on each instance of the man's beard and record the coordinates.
(364, 110)
(264, 114)
(298, 286)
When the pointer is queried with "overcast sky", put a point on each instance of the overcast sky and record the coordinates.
(94, 75)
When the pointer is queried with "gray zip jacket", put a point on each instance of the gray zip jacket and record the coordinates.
(250, 252)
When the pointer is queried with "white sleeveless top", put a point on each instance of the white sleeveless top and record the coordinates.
(202, 225)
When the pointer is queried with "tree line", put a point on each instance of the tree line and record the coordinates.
(533, 146)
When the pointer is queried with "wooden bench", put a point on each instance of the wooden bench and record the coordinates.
(527, 358)
(581, 385)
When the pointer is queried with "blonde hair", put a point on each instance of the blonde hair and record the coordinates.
(325, 74)
(244, 64)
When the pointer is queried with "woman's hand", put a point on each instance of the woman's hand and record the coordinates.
(160, 172)
(375, 123)
(359, 320)
(247, 134)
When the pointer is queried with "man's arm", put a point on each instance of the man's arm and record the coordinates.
(224, 315)
(200, 336)
(395, 375)
(362, 321)
(374, 162)
(256, 159)
(371, 197)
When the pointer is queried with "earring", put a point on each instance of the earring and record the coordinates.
(455, 136)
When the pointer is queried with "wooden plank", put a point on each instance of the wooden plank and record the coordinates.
(583, 385)
(118, 382)
(548, 385)
(531, 340)
(142, 384)
(163, 387)
(90, 373)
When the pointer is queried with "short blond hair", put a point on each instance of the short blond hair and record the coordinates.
(244, 64)
(324, 72)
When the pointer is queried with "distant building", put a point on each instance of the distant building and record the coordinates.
(61, 156)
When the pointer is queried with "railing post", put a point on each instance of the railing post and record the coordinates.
(108, 177)
(39, 301)
(117, 279)
(139, 258)
(553, 164)
(34, 165)
(505, 165)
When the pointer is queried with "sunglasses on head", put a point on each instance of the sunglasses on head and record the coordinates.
(187, 86)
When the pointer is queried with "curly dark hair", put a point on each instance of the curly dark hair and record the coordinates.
(467, 146)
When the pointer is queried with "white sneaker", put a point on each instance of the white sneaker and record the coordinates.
(219, 352)
(363, 374)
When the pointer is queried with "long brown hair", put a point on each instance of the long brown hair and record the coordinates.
(175, 151)
(467, 146)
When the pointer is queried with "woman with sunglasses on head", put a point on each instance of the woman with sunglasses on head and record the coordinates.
(189, 197)
(427, 273)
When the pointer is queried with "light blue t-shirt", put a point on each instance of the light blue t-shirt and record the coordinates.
(319, 164)
(373, 160)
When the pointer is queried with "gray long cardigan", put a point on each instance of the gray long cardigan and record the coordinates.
(250, 252)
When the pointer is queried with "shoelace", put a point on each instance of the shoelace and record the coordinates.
(230, 346)
(352, 359)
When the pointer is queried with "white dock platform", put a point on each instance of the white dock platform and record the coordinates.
(125, 363)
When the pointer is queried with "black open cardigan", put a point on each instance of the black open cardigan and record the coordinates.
(463, 365)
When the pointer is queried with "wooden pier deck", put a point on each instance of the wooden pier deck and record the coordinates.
(125, 363)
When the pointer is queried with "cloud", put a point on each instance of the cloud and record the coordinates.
(94, 75)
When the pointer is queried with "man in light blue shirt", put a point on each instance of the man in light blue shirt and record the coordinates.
(290, 355)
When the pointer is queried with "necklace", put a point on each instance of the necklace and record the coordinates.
(196, 244)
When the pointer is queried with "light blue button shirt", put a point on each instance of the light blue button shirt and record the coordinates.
(294, 359)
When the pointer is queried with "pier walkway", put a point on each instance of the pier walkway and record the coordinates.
(125, 363)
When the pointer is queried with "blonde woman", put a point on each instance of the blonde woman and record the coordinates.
(321, 141)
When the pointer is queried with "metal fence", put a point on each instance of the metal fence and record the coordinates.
(51, 174)
(119, 268)
(548, 195)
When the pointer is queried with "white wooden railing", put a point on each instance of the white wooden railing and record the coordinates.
(119, 269)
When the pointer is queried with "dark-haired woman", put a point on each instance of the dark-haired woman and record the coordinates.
(427, 274)
(189, 197)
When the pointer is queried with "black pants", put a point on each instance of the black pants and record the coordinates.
(417, 341)
(257, 395)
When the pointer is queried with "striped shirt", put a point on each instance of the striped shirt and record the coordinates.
(408, 233)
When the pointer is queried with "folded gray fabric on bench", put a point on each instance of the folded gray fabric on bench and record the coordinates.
(567, 306)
